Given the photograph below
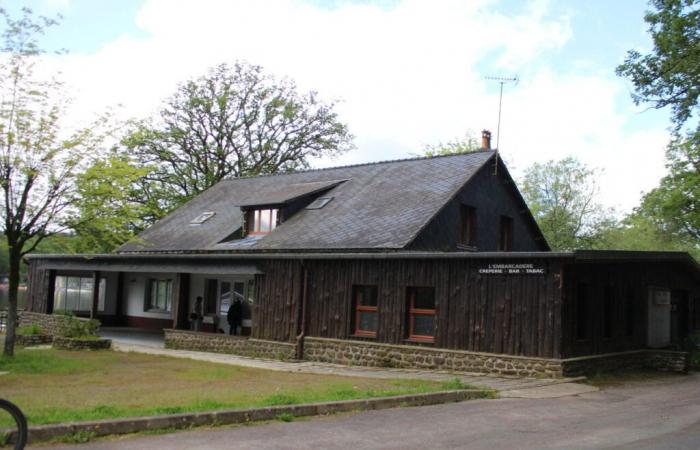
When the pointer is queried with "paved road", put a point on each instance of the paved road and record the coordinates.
(664, 413)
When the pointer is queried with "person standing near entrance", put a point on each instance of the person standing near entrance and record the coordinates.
(197, 316)
(235, 317)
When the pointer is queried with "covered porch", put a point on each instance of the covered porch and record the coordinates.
(148, 293)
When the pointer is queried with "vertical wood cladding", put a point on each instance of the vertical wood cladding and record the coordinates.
(619, 282)
(39, 288)
(492, 197)
(277, 292)
(512, 314)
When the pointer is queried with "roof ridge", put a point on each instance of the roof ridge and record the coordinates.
(349, 166)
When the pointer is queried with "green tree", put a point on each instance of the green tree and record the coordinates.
(234, 121)
(669, 76)
(467, 144)
(110, 207)
(562, 197)
(37, 163)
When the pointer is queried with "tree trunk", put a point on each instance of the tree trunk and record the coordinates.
(15, 261)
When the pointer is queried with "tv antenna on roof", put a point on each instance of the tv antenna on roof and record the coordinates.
(501, 81)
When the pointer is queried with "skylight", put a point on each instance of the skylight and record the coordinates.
(200, 219)
(319, 203)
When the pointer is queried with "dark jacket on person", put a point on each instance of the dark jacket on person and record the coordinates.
(235, 313)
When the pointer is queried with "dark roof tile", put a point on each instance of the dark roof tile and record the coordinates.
(376, 206)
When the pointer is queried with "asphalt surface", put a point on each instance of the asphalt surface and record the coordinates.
(662, 413)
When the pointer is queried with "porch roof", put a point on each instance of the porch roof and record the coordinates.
(157, 265)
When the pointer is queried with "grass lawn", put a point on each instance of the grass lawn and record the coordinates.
(53, 386)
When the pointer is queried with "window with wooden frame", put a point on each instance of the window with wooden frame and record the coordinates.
(262, 221)
(159, 295)
(366, 314)
(505, 238)
(421, 313)
(467, 226)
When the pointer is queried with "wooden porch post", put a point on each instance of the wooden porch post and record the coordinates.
(181, 291)
(95, 293)
(50, 290)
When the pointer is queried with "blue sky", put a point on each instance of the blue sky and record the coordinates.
(406, 72)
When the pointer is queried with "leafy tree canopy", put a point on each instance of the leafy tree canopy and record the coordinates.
(234, 121)
(670, 74)
(467, 144)
(562, 197)
(110, 207)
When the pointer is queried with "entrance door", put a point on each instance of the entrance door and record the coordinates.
(659, 325)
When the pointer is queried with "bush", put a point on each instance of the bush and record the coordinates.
(75, 328)
(693, 348)
(30, 330)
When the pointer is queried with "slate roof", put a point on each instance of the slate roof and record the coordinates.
(380, 206)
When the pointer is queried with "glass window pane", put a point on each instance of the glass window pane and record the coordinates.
(86, 285)
(273, 219)
(168, 295)
(423, 325)
(72, 293)
(225, 296)
(425, 298)
(368, 321)
(264, 220)
(59, 294)
(367, 295)
(101, 299)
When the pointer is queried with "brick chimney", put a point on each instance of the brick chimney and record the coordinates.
(486, 140)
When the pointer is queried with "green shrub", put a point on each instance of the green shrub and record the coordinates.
(285, 417)
(75, 328)
(29, 330)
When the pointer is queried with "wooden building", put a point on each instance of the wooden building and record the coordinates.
(438, 253)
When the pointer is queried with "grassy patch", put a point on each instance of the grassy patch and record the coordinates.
(285, 417)
(42, 362)
(54, 386)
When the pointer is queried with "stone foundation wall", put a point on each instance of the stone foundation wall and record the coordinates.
(33, 339)
(405, 356)
(667, 360)
(235, 345)
(49, 323)
(664, 360)
(81, 344)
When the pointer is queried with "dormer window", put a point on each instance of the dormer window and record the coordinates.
(262, 221)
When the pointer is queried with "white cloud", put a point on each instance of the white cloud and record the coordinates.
(406, 75)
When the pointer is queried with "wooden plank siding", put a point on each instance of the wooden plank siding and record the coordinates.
(40, 286)
(484, 313)
(622, 279)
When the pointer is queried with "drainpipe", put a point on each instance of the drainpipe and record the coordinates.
(302, 319)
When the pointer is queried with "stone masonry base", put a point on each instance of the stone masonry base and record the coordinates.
(406, 356)
(222, 343)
